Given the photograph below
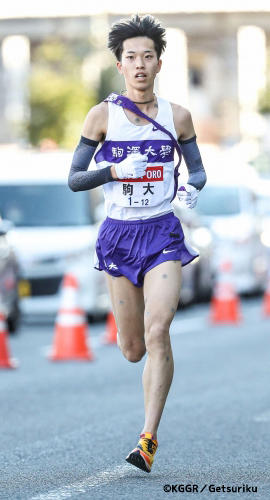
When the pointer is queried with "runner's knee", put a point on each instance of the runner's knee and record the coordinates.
(157, 336)
(133, 351)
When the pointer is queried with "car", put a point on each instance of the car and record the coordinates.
(227, 206)
(9, 278)
(263, 209)
(54, 231)
(198, 276)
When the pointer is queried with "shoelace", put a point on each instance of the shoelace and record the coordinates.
(150, 445)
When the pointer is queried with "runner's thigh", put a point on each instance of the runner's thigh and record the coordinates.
(128, 308)
(161, 293)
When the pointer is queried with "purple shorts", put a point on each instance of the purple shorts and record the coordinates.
(132, 248)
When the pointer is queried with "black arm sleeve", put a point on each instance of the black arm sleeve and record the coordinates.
(191, 153)
(81, 179)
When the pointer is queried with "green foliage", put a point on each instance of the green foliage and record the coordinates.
(59, 101)
(264, 96)
(262, 163)
(264, 100)
(110, 81)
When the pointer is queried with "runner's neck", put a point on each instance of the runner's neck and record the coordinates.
(144, 102)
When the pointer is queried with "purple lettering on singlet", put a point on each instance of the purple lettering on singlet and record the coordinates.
(115, 151)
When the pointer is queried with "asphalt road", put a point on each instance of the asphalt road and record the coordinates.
(67, 427)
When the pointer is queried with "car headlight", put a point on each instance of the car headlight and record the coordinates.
(78, 254)
(265, 238)
(202, 237)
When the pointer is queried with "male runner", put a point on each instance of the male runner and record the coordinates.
(141, 244)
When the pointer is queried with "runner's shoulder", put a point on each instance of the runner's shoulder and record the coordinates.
(180, 114)
(98, 112)
(95, 124)
(182, 120)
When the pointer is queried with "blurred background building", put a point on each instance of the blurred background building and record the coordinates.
(55, 65)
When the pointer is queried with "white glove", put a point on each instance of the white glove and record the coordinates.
(132, 167)
(188, 195)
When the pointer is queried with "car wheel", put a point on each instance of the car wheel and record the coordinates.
(14, 317)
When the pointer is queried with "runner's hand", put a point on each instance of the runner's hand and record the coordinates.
(133, 167)
(188, 195)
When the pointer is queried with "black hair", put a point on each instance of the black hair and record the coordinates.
(136, 26)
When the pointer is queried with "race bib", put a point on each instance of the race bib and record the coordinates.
(146, 191)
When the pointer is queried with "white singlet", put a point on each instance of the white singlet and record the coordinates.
(133, 199)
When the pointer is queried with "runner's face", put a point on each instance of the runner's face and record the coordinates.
(139, 64)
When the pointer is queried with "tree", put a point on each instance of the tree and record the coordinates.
(264, 100)
(110, 81)
(59, 100)
(264, 96)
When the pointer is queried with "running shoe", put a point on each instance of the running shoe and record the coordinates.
(143, 455)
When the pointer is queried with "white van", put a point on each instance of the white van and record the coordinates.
(227, 205)
(54, 230)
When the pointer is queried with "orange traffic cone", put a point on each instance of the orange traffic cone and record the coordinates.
(110, 336)
(266, 299)
(5, 360)
(70, 333)
(225, 304)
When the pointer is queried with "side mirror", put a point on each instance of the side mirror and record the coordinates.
(5, 226)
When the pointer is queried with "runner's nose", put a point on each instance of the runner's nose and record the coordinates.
(139, 64)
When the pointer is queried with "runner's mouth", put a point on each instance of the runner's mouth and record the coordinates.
(140, 76)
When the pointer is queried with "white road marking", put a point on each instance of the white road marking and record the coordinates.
(263, 417)
(99, 479)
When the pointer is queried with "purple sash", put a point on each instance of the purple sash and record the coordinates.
(123, 101)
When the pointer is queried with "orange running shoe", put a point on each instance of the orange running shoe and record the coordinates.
(143, 455)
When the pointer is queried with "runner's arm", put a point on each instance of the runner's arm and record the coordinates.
(187, 140)
(81, 179)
